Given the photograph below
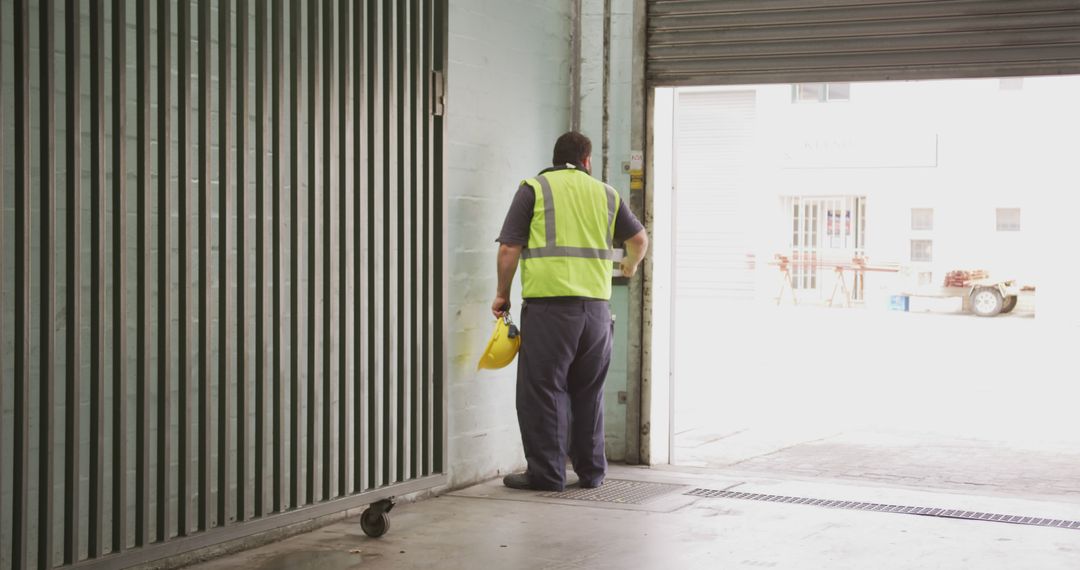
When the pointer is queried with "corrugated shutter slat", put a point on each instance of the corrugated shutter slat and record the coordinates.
(731, 42)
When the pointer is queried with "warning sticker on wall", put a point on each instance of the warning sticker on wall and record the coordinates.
(637, 162)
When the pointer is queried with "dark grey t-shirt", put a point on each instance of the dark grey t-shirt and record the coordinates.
(515, 230)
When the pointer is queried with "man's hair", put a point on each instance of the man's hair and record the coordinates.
(572, 148)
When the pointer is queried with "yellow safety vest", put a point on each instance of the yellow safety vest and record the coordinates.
(569, 253)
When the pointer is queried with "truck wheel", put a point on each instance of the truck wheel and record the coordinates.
(1009, 304)
(987, 302)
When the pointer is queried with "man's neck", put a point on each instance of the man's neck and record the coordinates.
(567, 166)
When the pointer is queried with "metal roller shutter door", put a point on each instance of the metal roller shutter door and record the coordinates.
(737, 42)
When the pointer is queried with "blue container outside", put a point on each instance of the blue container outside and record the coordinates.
(898, 303)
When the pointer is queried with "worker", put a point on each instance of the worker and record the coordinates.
(561, 226)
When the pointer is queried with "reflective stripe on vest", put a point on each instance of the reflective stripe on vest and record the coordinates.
(552, 250)
(569, 252)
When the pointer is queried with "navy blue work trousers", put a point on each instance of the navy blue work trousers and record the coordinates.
(564, 358)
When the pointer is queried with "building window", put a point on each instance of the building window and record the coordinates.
(922, 219)
(838, 91)
(1008, 219)
(820, 92)
(1011, 83)
(922, 250)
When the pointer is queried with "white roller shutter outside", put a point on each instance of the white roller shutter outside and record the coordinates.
(713, 137)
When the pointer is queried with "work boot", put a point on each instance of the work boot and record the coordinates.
(521, 481)
(588, 485)
(518, 481)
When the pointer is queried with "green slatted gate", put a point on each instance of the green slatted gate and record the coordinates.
(222, 269)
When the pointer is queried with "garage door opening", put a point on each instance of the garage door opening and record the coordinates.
(874, 281)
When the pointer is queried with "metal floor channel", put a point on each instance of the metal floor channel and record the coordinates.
(882, 508)
(618, 491)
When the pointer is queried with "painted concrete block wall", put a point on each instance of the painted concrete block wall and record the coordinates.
(508, 100)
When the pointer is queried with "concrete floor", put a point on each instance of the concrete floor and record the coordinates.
(491, 527)
(902, 409)
(945, 401)
(914, 459)
(1011, 376)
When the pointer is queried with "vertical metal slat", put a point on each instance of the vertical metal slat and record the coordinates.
(360, 224)
(389, 144)
(164, 325)
(2, 329)
(224, 430)
(428, 239)
(142, 336)
(20, 487)
(438, 225)
(242, 136)
(278, 166)
(72, 439)
(314, 119)
(420, 78)
(47, 394)
(327, 254)
(185, 294)
(376, 273)
(409, 110)
(95, 505)
(392, 231)
(402, 310)
(415, 357)
(2, 235)
(119, 400)
(261, 281)
(204, 418)
(344, 459)
(295, 49)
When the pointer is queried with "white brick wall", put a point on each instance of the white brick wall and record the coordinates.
(508, 99)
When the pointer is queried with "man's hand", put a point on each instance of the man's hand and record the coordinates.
(635, 252)
(500, 306)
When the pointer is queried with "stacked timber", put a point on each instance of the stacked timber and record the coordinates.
(964, 277)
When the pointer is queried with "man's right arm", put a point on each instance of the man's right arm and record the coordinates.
(512, 239)
(507, 263)
(634, 237)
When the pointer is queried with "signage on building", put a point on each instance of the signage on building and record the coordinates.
(885, 149)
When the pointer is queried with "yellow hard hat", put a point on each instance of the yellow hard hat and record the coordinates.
(503, 346)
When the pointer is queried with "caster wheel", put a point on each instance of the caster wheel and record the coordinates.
(374, 524)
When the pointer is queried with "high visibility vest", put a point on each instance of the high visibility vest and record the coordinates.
(569, 253)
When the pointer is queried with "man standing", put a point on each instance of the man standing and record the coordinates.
(562, 226)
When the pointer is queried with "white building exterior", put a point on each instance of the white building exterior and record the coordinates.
(928, 176)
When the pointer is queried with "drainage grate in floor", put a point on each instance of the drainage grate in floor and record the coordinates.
(880, 508)
(618, 491)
